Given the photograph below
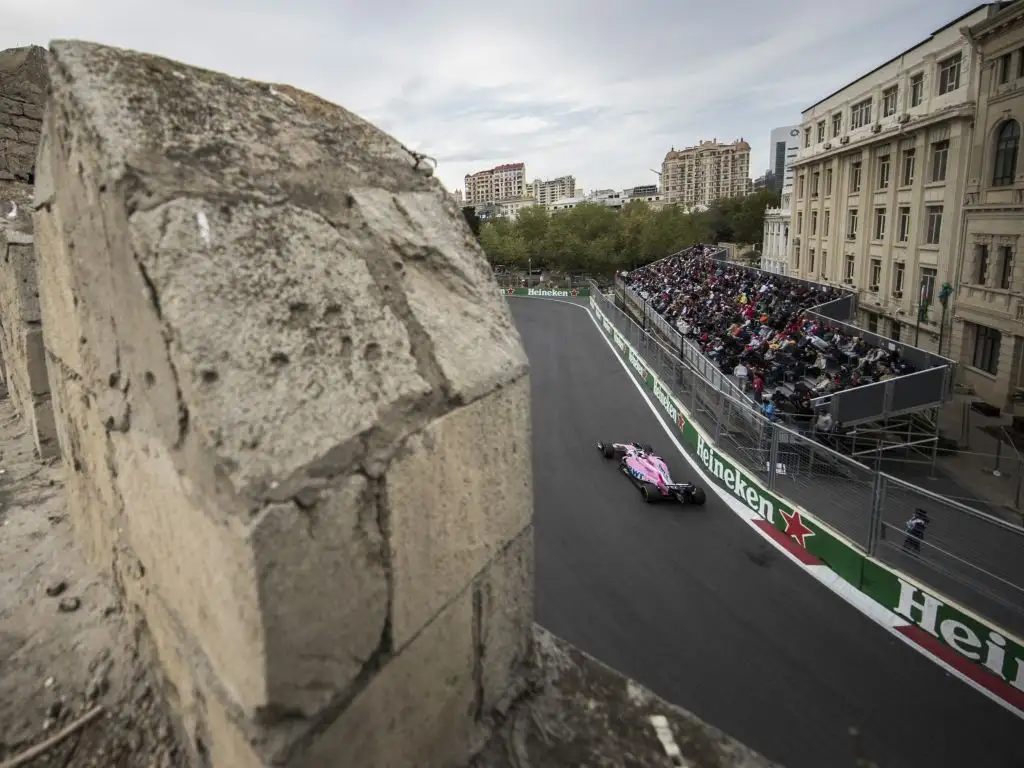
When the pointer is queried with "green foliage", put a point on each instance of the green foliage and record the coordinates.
(594, 238)
(472, 219)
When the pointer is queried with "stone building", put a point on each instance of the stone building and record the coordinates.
(880, 180)
(988, 324)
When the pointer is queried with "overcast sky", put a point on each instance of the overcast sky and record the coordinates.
(597, 88)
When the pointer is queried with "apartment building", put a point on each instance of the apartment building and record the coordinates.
(775, 238)
(783, 144)
(988, 297)
(503, 182)
(699, 175)
(547, 192)
(880, 179)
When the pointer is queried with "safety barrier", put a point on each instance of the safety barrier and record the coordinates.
(853, 546)
(549, 293)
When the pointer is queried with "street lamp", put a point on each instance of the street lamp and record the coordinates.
(944, 294)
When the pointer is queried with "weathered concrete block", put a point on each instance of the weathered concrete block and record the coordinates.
(22, 343)
(504, 606)
(265, 312)
(22, 94)
(324, 558)
(458, 494)
(415, 712)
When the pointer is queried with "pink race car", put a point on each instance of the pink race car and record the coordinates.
(650, 474)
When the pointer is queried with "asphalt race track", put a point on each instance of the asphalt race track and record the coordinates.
(695, 605)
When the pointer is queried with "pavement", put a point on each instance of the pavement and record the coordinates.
(694, 605)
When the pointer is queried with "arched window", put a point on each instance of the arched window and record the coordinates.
(1007, 146)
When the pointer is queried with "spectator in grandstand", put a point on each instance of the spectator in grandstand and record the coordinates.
(754, 326)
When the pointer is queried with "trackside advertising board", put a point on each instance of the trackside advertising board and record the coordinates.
(546, 293)
(987, 655)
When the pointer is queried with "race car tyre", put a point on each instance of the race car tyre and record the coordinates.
(650, 494)
(608, 450)
(697, 496)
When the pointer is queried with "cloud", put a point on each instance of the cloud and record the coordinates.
(597, 88)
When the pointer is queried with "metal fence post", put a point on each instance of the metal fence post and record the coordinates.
(876, 530)
(773, 456)
(719, 415)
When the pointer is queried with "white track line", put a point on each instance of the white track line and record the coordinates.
(821, 573)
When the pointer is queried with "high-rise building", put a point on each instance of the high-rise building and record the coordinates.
(504, 182)
(547, 192)
(880, 180)
(987, 324)
(699, 175)
(783, 147)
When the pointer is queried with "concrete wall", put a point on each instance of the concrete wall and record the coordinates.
(294, 411)
(22, 93)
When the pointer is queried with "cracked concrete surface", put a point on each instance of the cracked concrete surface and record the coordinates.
(273, 332)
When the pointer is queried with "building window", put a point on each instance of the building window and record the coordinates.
(855, 177)
(916, 89)
(799, 222)
(940, 152)
(926, 291)
(800, 187)
(1020, 63)
(824, 263)
(981, 264)
(933, 215)
(894, 333)
(837, 124)
(810, 258)
(821, 131)
(851, 225)
(814, 222)
(825, 223)
(876, 274)
(850, 268)
(860, 114)
(908, 168)
(889, 101)
(1005, 267)
(828, 182)
(1007, 147)
(872, 322)
(879, 223)
(949, 74)
(904, 223)
(815, 183)
(987, 342)
(807, 136)
(796, 256)
(883, 172)
(898, 273)
(1005, 68)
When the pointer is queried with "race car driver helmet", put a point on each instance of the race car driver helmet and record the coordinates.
(639, 447)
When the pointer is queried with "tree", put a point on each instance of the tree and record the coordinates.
(599, 240)
(472, 219)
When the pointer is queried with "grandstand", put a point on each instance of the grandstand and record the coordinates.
(786, 345)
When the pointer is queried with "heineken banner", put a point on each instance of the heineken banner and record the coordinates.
(546, 293)
(988, 656)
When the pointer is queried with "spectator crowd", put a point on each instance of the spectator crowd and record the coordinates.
(754, 326)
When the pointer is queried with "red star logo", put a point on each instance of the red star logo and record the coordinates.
(795, 527)
(511, 291)
(681, 421)
(574, 292)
